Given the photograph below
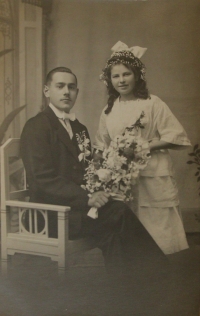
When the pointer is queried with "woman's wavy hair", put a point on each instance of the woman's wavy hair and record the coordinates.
(140, 90)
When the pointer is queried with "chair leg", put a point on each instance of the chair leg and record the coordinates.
(5, 227)
(63, 263)
(62, 270)
(62, 241)
(4, 266)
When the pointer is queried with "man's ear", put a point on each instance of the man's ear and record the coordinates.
(77, 91)
(46, 91)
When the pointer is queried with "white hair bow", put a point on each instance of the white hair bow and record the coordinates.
(136, 50)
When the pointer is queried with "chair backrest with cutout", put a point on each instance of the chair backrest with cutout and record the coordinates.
(13, 176)
(13, 179)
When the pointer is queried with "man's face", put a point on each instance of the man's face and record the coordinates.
(62, 91)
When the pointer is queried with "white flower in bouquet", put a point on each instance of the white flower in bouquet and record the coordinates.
(130, 139)
(118, 175)
(112, 159)
(104, 175)
(142, 151)
(135, 171)
(141, 144)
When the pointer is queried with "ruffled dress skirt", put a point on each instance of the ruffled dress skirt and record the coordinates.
(156, 205)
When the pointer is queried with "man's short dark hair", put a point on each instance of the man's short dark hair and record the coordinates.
(58, 69)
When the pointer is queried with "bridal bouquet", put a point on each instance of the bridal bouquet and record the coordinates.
(116, 172)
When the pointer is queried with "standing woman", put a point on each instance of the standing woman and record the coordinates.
(128, 97)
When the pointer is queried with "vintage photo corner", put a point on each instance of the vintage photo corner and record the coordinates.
(100, 158)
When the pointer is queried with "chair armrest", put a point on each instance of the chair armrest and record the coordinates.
(38, 206)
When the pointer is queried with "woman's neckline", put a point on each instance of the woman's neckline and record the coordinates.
(128, 101)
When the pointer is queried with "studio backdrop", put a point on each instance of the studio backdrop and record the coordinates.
(81, 35)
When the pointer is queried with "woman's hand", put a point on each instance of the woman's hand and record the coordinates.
(160, 144)
(98, 199)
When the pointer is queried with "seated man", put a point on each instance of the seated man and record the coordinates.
(50, 153)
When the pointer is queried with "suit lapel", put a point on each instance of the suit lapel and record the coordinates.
(61, 132)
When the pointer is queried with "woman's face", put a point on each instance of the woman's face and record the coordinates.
(123, 80)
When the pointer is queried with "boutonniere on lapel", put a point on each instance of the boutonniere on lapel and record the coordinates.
(83, 144)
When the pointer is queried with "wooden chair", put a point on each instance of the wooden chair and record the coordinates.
(15, 237)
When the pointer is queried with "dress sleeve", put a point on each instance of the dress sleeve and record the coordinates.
(168, 127)
(102, 137)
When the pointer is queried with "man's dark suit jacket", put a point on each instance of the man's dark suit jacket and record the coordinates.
(50, 157)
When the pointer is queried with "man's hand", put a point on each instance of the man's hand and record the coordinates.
(98, 199)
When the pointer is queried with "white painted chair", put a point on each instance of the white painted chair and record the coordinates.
(15, 237)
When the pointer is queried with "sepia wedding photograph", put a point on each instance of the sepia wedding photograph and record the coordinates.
(99, 158)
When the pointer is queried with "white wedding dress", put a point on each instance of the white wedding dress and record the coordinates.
(157, 193)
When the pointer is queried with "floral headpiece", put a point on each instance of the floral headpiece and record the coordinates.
(127, 56)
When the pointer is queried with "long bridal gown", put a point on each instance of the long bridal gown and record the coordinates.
(158, 202)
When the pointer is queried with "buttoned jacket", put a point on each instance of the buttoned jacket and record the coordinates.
(50, 157)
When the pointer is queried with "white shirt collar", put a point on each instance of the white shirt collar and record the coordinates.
(62, 115)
